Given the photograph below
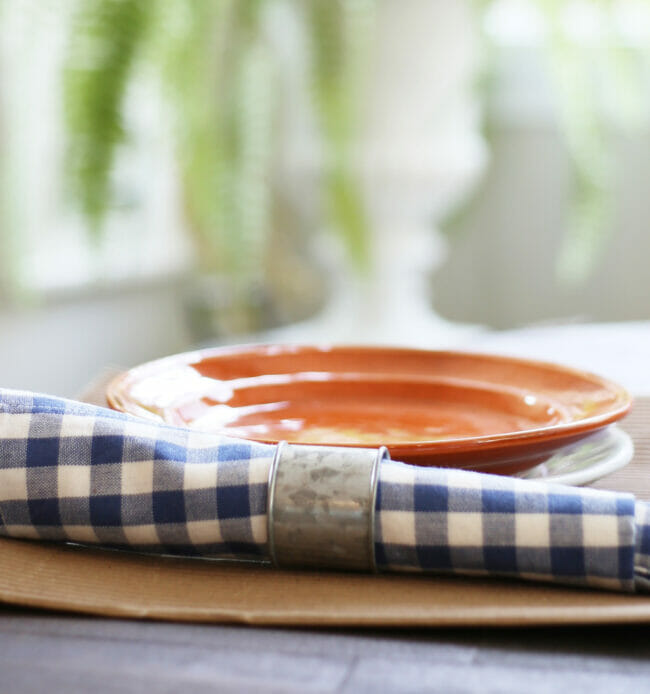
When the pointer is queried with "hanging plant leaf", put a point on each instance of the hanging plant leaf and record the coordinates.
(339, 30)
(104, 42)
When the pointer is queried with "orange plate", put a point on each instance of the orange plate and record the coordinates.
(473, 411)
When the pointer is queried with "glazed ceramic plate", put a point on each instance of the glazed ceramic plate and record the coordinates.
(473, 411)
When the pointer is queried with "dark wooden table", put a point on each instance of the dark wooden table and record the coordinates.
(59, 653)
(49, 652)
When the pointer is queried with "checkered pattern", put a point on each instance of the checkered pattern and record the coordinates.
(85, 474)
(74, 472)
(642, 557)
(437, 519)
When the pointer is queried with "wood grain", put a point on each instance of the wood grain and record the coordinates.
(58, 653)
(634, 477)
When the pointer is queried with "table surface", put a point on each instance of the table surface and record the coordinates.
(42, 651)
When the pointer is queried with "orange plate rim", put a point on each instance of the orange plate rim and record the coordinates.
(572, 428)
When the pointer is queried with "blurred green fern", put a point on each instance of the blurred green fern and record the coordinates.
(339, 30)
(105, 39)
(218, 73)
(219, 78)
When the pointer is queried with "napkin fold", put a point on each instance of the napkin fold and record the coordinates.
(79, 473)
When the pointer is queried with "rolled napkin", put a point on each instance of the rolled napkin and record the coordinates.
(79, 473)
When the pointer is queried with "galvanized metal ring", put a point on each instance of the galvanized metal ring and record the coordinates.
(321, 506)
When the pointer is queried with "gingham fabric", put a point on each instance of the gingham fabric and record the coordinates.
(70, 471)
(441, 519)
(642, 556)
(74, 472)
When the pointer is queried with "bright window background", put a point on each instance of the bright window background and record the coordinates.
(143, 236)
(504, 265)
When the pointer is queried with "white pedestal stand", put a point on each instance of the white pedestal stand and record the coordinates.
(418, 151)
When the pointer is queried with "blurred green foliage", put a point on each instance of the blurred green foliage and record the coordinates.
(600, 79)
(103, 47)
(339, 34)
(219, 75)
(217, 71)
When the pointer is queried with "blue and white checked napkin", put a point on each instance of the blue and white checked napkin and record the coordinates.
(79, 473)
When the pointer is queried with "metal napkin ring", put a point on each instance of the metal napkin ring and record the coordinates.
(321, 509)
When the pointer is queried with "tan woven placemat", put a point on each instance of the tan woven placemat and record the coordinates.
(128, 585)
(634, 477)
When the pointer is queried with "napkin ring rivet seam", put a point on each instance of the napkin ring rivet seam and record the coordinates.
(321, 506)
